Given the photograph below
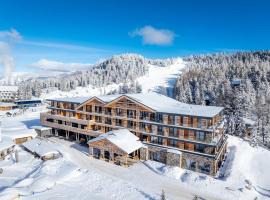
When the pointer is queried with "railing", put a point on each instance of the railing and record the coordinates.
(182, 150)
(64, 118)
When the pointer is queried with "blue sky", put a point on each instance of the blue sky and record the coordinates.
(58, 32)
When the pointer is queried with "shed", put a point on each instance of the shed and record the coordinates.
(119, 146)
(43, 131)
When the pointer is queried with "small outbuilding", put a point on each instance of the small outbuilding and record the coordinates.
(4, 106)
(43, 131)
(119, 146)
(28, 103)
(249, 126)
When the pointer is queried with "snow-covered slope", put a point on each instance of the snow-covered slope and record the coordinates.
(246, 173)
(159, 79)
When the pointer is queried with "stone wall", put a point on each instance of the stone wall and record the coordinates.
(199, 161)
(144, 153)
(173, 159)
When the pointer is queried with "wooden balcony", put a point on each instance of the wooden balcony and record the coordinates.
(64, 118)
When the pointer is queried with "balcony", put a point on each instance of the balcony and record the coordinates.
(64, 118)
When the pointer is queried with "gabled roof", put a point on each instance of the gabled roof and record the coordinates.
(122, 138)
(127, 96)
(158, 103)
(89, 100)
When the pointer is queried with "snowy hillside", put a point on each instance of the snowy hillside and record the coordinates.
(246, 173)
(76, 176)
(158, 78)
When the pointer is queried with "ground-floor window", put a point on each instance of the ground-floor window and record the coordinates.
(154, 156)
(205, 168)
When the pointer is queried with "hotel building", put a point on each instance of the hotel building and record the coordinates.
(175, 133)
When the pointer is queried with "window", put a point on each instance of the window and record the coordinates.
(173, 132)
(108, 121)
(199, 148)
(108, 111)
(88, 108)
(171, 119)
(131, 113)
(131, 124)
(159, 130)
(154, 156)
(200, 135)
(160, 140)
(199, 123)
(205, 168)
(119, 112)
(156, 140)
(118, 122)
(143, 115)
(98, 109)
(75, 125)
(185, 121)
(49, 120)
(173, 143)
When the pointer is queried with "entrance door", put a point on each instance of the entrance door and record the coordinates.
(96, 153)
(107, 155)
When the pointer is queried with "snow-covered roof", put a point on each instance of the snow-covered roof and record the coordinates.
(41, 128)
(6, 104)
(9, 88)
(157, 102)
(6, 143)
(40, 147)
(174, 151)
(122, 138)
(248, 121)
(78, 100)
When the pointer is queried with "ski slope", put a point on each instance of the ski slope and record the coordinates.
(159, 79)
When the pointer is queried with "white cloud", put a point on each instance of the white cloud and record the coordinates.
(153, 36)
(10, 34)
(61, 46)
(50, 65)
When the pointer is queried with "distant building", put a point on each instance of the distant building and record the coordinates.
(236, 82)
(175, 133)
(28, 103)
(8, 93)
(249, 127)
(4, 106)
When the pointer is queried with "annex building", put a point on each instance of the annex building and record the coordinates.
(163, 129)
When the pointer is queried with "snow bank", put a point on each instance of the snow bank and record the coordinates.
(246, 173)
(41, 147)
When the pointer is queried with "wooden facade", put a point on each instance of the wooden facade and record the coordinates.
(193, 135)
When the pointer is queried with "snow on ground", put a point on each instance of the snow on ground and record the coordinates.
(76, 176)
(245, 167)
(157, 79)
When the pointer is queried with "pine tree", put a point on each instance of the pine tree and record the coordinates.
(163, 196)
